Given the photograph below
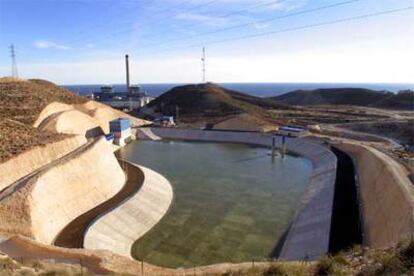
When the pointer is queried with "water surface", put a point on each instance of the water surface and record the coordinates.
(231, 202)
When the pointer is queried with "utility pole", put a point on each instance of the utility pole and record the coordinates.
(14, 63)
(203, 59)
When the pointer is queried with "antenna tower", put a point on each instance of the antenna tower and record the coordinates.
(14, 63)
(203, 59)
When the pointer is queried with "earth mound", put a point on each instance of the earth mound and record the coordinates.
(404, 100)
(336, 96)
(210, 100)
(21, 102)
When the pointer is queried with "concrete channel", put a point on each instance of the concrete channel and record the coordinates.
(72, 236)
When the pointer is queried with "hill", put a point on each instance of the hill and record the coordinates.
(210, 100)
(37, 112)
(403, 101)
(337, 96)
(21, 102)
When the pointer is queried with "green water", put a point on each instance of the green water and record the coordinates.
(231, 202)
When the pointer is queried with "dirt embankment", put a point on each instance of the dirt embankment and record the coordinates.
(25, 104)
(401, 131)
(21, 102)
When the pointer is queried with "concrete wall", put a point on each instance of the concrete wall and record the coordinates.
(386, 196)
(71, 188)
(72, 122)
(308, 237)
(29, 161)
(121, 227)
(102, 114)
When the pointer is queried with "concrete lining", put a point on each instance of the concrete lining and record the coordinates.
(309, 233)
(118, 229)
(386, 196)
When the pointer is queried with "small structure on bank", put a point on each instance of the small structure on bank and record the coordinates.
(121, 130)
(293, 131)
(165, 121)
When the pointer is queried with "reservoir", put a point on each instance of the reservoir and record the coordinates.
(232, 203)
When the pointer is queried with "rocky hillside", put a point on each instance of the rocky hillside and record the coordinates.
(21, 102)
(349, 96)
(337, 96)
(210, 100)
(402, 101)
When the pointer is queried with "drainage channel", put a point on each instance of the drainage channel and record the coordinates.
(346, 229)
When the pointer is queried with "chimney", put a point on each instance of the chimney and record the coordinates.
(127, 72)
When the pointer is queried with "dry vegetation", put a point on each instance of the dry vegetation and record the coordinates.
(210, 103)
(398, 260)
(21, 102)
(8, 266)
(24, 100)
(402, 131)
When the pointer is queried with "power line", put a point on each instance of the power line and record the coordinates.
(257, 22)
(14, 63)
(128, 15)
(128, 29)
(261, 5)
(303, 27)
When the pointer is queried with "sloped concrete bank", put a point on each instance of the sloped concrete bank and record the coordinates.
(27, 162)
(47, 200)
(386, 196)
(309, 233)
(99, 115)
(120, 227)
(72, 236)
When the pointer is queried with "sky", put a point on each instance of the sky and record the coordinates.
(84, 41)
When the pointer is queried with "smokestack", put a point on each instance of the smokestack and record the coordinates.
(127, 71)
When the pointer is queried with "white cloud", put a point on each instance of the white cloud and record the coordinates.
(288, 5)
(259, 26)
(202, 18)
(46, 44)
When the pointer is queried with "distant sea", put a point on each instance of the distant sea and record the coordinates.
(257, 89)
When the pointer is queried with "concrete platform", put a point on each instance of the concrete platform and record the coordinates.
(118, 229)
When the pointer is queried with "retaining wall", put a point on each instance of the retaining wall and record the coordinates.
(31, 160)
(122, 226)
(386, 196)
(41, 204)
(308, 236)
(100, 113)
(72, 122)
(73, 187)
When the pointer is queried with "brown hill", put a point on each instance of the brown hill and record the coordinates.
(210, 100)
(337, 96)
(402, 101)
(21, 102)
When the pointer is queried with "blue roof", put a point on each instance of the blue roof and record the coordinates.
(292, 129)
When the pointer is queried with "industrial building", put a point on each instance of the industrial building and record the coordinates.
(129, 100)
(121, 130)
